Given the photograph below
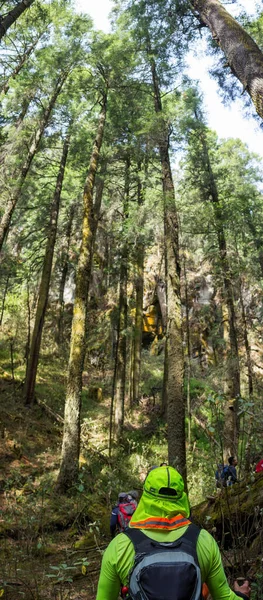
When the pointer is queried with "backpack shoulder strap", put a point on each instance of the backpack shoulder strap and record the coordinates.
(143, 544)
(140, 541)
(190, 537)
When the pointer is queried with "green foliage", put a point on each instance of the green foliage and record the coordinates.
(256, 585)
(152, 373)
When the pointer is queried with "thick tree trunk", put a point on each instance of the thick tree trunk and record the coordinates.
(244, 57)
(71, 435)
(28, 335)
(256, 237)
(165, 379)
(131, 370)
(249, 421)
(64, 272)
(137, 342)
(121, 356)
(116, 327)
(139, 283)
(231, 421)
(174, 391)
(11, 203)
(188, 355)
(29, 388)
(233, 360)
(246, 342)
(161, 295)
(13, 15)
(4, 299)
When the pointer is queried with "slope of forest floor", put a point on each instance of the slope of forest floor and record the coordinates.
(40, 534)
(50, 546)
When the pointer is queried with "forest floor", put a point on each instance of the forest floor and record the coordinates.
(50, 545)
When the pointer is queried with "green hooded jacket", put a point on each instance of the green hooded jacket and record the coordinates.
(156, 501)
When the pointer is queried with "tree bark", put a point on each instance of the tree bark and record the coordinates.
(121, 353)
(139, 284)
(137, 345)
(13, 15)
(121, 356)
(174, 341)
(4, 299)
(64, 272)
(161, 295)
(244, 57)
(231, 421)
(188, 355)
(256, 237)
(246, 342)
(29, 388)
(11, 203)
(69, 466)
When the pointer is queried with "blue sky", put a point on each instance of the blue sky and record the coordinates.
(226, 121)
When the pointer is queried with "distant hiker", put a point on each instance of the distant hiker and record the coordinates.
(232, 470)
(226, 474)
(162, 554)
(122, 512)
(133, 495)
(259, 466)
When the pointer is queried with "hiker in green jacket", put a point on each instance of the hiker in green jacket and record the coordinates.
(163, 516)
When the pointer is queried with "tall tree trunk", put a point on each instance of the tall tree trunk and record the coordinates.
(64, 272)
(137, 342)
(121, 356)
(13, 15)
(11, 204)
(231, 433)
(165, 378)
(246, 342)
(244, 57)
(175, 399)
(161, 295)
(69, 466)
(5, 87)
(139, 283)
(28, 334)
(257, 238)
(29, 388)
(4, 299)
(115, 354)
(188, 355)
(248, 418)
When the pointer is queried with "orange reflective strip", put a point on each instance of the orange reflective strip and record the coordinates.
(161, 523)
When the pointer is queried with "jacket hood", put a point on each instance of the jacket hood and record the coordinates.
(163, 496)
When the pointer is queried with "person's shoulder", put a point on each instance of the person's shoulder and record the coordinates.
(206, 538)
(119, 544)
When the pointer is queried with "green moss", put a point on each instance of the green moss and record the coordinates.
(85, 541)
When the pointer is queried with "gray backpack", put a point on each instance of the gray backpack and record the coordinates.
(165, 571)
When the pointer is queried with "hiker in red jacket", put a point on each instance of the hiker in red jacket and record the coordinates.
(259, 466)
(122, 512)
